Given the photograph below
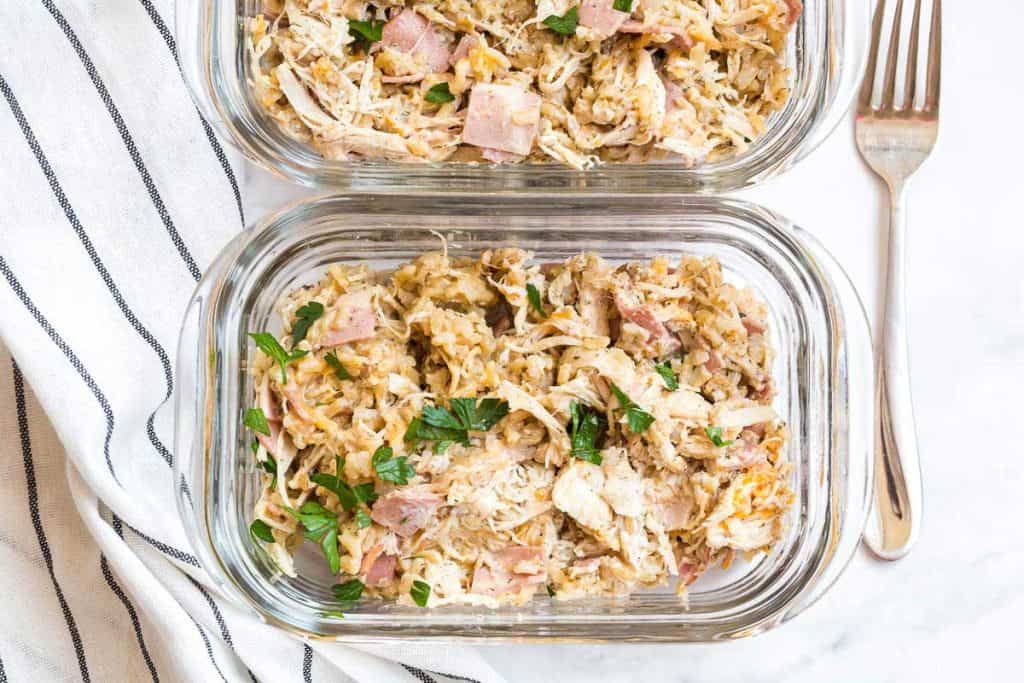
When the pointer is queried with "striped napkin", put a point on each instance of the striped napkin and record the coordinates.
(115, 193)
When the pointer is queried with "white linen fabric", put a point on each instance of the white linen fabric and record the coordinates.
(115, 194)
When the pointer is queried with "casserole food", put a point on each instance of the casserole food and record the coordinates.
(824, 58)
(467, 430)
(501, 80)
(823, 383)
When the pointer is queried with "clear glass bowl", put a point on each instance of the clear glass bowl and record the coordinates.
(825, 54)
(823, 372)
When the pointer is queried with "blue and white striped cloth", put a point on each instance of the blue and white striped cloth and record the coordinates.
(114, 194)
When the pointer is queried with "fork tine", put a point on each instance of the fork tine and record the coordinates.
(889, 86)
(910, 87)
(867, 88)
(931, 98)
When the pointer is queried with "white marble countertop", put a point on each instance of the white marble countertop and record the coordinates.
(950, 611)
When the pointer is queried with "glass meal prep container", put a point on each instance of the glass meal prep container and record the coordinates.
(823, 373)
(825, 54)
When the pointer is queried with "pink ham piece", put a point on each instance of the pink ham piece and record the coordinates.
(411, 33)
(377, 567)
(714, 361)
(406, 510)
(753, 326)
(688, 571)
(271, 410)
(601, 16)
(502, 117)
(681, 37)
(354, 318)
(794, 7)
(658, 335)
(672, 94)
(466, 43)
(511, 569)
(497, 156)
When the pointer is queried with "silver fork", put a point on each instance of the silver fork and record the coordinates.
(894, 141)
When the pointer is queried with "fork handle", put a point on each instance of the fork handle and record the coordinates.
(896, 517)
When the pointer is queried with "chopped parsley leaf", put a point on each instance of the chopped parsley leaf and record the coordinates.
(304, 317)
(339, 370)
(362, 519)
(623, 5)
(257, 421)
(269, 345)
(665, 370)
(333, 483)
(270, 467)
(533, 294)
(321, 526)
(439, 94)
(715, 434)
(420, 593)
(370, 31)
(396, 470)
(584, 430)
(348, 591)
(565, 24)
(260, 531)
(638, 418)
(446, 426)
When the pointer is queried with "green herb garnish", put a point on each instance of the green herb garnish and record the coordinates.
(715, 434)
(623, 5)
(348, 591)
(332, 613)
(420, 593)
(270, 467)
(638, 418)
(565, 24)
(370, 31)
(439, 94)
(339, 370)
(257, 421)
(396, 470)
(260, 531)
(304, 317)
(665, 370)
(551, 591)
(447, 426)
(584, 430)
(321, 526)
(269, 345)
(533, 294)
(363, 520)
(335, 485)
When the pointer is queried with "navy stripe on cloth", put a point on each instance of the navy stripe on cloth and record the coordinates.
(19, 291)
(224, 633)
(170, 551)
(419, 674)
(37, 522)
(115, 292)
(3, 674)
(218, 151)
(132, 614)
(307, 663)
(209, 648)
(126, 137)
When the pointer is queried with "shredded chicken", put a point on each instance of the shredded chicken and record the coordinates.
(470, 80)
(607, 452)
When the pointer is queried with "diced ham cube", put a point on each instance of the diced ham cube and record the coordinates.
(377, 567)
(466, 43)
(601, 16)
(406, 510)
(511, 569)
(753, 325)
(502, 117)
(663, 341)
(714, 361)
(353, 319)
(795, 7)
(681, 37)
(688, 571)
(411, 33)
